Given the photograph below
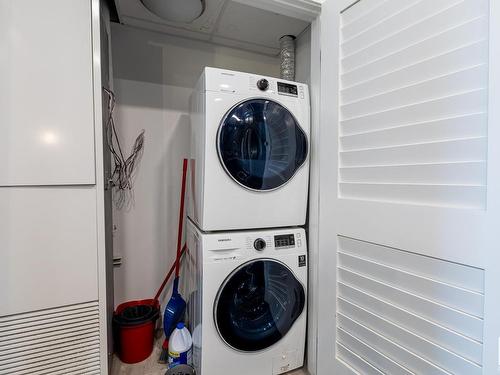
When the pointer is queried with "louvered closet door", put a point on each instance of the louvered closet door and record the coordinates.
(410, 187)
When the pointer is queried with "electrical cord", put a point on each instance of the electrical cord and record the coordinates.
(124, 170)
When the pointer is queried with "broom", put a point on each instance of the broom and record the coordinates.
(176, 305)
(164, 351)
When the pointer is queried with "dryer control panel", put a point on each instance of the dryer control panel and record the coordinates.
(284, 241)
(287, 89)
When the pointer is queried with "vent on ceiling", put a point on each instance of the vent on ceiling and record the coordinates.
(413, 102)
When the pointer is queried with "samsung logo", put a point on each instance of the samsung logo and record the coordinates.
(224, 240)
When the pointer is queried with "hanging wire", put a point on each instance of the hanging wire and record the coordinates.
(124, 170)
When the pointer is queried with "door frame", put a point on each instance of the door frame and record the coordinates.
(322, 309)
(309, 11)
(105, 351)
(313, 220)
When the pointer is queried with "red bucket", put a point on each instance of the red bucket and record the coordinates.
(134, 325)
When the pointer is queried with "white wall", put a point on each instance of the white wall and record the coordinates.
(154, 75)
(303, 57)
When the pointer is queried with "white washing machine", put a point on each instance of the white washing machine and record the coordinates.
(249, 151)
(246, 294)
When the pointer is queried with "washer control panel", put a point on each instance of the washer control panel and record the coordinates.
(265, 242)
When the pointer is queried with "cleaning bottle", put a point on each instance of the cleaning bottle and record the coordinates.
(180, 346)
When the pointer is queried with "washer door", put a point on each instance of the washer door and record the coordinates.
(261, 145)
(258, 304)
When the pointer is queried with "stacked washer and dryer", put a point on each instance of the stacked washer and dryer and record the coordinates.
(246, 269)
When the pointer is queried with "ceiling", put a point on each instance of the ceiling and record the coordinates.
(225, 22)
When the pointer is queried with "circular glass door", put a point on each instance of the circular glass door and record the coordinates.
(258, 304)
(261, 145)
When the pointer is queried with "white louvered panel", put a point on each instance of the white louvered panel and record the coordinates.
(50, 323)
(462, 127)
(420, 22)
(395, 34)
(438, 195)
(378, 17)
(466, 324)
(50, 343)
(413, 102)
(78, 366)
(79, 371)
(458, 173)
(448, 339)
(382, 363)
(55, 312)
(468, 278)
(457, 37)
(461, 104)
(465, 300)
(364, 13)
(456, 150)
(456, 60)
(434, 353)
(62, 340)
(472, 78)
(372, 339)
(422, 313)
(355, 362)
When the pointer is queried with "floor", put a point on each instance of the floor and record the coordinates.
(152, 367)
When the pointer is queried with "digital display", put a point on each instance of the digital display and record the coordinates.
(284, 240)
(287, 89)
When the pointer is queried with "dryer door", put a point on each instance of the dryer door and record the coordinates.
(258, 304)
(261, 145)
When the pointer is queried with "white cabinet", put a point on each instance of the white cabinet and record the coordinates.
(52, 223)
(48, 250)
(46, 93)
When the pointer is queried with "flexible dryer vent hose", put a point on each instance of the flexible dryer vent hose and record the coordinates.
(287, 55)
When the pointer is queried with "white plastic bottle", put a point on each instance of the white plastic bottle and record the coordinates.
(180, 347)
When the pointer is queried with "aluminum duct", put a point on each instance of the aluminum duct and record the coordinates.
(287, 55)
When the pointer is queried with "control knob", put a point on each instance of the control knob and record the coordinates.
(259, 244)
(263, 84)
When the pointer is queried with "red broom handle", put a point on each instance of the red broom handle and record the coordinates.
(181, 215)
(169, 274)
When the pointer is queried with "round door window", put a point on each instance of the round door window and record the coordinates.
(261, 145)
(258, 304)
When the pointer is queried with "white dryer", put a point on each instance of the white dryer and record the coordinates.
(249, 151)
(246, 295)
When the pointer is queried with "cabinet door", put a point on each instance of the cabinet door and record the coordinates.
(410, 187)
(48, 254)
(46, 97)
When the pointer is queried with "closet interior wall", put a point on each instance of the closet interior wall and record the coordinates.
(303, 57)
